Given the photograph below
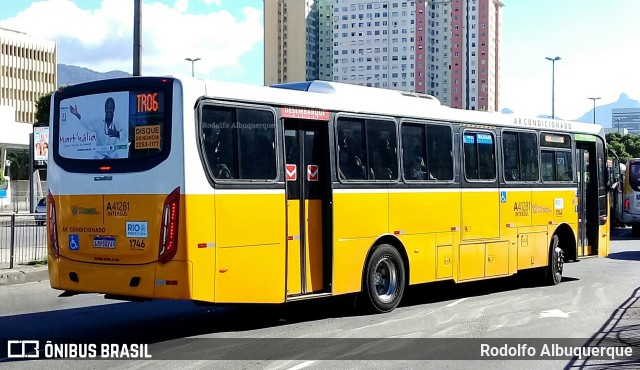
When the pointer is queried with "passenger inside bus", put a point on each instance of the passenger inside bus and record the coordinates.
(383, 156)
(418, 171)
(510, 161)
(216, 150)
(350, 157)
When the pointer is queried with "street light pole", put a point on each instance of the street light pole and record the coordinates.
(193, 61)
(137, 43)
(553, 88)
(594, 108)
(618, 121)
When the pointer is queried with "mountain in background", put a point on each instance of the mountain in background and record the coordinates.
(604, 112)
(71, 75)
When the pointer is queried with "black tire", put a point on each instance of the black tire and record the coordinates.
(635, 229)
(384, 279)
(553, 272)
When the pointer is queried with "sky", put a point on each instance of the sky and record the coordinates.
(596, 40)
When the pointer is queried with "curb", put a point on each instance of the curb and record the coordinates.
(13, 277)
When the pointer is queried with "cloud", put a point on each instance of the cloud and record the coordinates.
(209, 2)
(102, 39)
(181, 5)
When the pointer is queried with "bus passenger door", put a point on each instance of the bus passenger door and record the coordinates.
(308, 188)
(588, 198)
(582, 161)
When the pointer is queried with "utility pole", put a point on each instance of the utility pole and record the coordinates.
(594, 107)
(553, 85)
(137, 43)
(193, 61)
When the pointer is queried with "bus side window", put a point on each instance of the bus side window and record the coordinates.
(564, 168)
(383, 144)
(510, 156)
(414, 151)
(256, 150)
(218, 141)
(352, 162)
(239, 143)
(440, 152)
(548, 173)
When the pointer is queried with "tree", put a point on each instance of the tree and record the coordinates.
(625, 146)
(43, 107)
(19, 169)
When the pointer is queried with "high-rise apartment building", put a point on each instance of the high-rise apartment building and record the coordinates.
(446, 48)
(27, 71)
(290, 41)
(475, 38)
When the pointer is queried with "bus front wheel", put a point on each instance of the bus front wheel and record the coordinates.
(384, 279)
(553, 273)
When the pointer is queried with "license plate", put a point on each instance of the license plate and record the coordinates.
(107, 242)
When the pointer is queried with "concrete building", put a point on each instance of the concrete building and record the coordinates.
(27, 71)
(626, 119)
(463, 64)
(374, 43)
(290, 41)
(446, 48)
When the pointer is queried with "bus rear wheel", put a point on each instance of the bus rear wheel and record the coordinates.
(384, 279)
(553, 272)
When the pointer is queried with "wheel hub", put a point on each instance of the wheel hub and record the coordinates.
(385, 279)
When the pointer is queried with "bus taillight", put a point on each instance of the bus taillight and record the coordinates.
(53, 230)
(626, 205)
(169, 227)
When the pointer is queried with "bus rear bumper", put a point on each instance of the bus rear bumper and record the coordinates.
(152, 280)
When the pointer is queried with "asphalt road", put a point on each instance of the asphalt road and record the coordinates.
(599, 297)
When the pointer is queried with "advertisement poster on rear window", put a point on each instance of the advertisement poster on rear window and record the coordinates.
(94, 126)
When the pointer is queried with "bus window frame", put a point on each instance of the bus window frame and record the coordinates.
(453, 154)
(502, 167)
(571, 151)
(494, 134)
(570, 136)
(573, 166)
(200, 139)
(120, 165)
(365, 117)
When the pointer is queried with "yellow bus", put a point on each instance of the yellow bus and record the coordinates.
(225, 193)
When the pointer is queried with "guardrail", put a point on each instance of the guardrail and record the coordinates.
(23, 239)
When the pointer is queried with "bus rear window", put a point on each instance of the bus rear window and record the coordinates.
(112, 126)
(634, 175)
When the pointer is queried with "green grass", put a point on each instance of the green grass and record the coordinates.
(37, 263)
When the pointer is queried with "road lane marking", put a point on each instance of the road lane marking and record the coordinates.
(393, 321)
(456, 302)
(302, 365)
(553, 313)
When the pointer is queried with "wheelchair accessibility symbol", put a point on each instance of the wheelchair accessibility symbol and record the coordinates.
(74, 242)
(503, 197)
